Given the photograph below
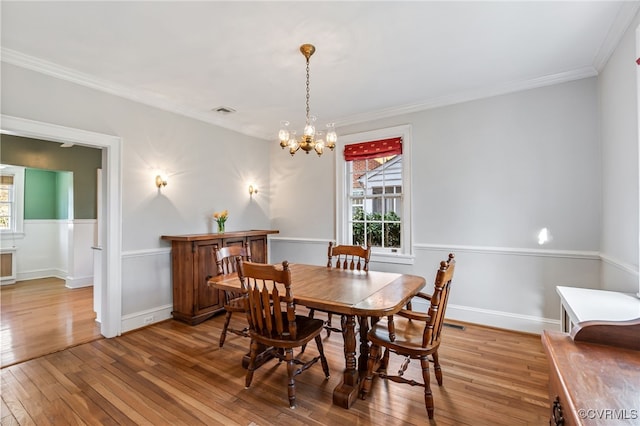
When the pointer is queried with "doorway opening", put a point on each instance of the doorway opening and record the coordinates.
(110, 223)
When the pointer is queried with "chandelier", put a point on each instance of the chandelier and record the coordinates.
(310, 139)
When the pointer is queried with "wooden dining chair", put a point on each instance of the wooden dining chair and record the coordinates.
(226, 264)
(413, 335)
(348, 257)
(267, 290)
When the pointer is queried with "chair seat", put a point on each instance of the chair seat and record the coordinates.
(307, 329)
(408, 337)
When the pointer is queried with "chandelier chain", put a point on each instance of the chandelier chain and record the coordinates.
(308, 96)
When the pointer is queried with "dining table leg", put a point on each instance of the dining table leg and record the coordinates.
(364, 346)
(347, 391)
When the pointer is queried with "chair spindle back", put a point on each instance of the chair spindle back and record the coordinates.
(226, 258)
(348, 257)
(267, 288)
(439, 299)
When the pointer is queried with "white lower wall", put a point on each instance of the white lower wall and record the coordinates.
(80, 267)
(38, 250)
(618, 275)
(499, 287)
(55, 248)
(507, 288)
(146, 277)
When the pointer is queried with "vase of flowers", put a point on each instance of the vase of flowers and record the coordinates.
(221, 218)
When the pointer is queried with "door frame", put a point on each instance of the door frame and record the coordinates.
(111, 312)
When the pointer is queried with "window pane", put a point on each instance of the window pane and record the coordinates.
(393, 205)
(5, 209)
(392, 235)
(5, 194)
(357, 231)
(5, 222)
(375, 201)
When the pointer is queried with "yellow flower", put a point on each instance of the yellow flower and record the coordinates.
(221, 217)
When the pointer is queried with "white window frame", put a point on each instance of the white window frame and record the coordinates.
(17, 213)
(342, 186)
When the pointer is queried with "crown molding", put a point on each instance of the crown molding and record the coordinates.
(472, 95)
(626, 15)
(22, 60)
(151, 99)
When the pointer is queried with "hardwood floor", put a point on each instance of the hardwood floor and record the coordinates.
(173, 373)
(43, 316)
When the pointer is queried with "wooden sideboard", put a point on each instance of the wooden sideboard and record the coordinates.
(594, 369)
(591, 383)
(193, 261)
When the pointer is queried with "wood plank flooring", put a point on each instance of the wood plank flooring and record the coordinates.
(171, 373)
(42, 316)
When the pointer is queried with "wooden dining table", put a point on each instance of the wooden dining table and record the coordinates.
(352, 294)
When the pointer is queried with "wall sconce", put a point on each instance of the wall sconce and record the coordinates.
(253, 189)
(160, 181)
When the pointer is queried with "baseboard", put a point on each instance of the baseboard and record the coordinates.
(498, 319)
(71, 282)
(147, 317)
(41, 273)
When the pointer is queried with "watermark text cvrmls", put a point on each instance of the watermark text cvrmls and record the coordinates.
(609, 414)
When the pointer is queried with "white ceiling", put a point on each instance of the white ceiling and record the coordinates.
(373, 59)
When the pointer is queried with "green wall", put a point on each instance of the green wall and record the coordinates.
(47, 194)
(82, 161)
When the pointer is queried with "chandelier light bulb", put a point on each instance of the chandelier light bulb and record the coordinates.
(332, 137)
(319, 146)
(293, 143)
(310, 129)
(283, 134)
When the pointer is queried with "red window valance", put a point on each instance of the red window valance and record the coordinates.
(373, 149)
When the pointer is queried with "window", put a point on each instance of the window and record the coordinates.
(374, 193)
(375, 200)
(11, 199)
(7, 203)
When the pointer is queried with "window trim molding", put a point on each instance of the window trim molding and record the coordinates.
(405, 132)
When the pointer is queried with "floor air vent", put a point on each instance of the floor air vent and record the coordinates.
(457, 326)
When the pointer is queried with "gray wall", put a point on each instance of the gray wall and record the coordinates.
(208, 168)
(618, 94)
(504, 167)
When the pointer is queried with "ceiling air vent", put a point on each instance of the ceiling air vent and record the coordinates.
(224, 110)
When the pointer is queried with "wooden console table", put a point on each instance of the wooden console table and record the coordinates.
(584, 304)
(193, 262)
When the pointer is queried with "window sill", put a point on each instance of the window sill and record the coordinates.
(397, 258)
